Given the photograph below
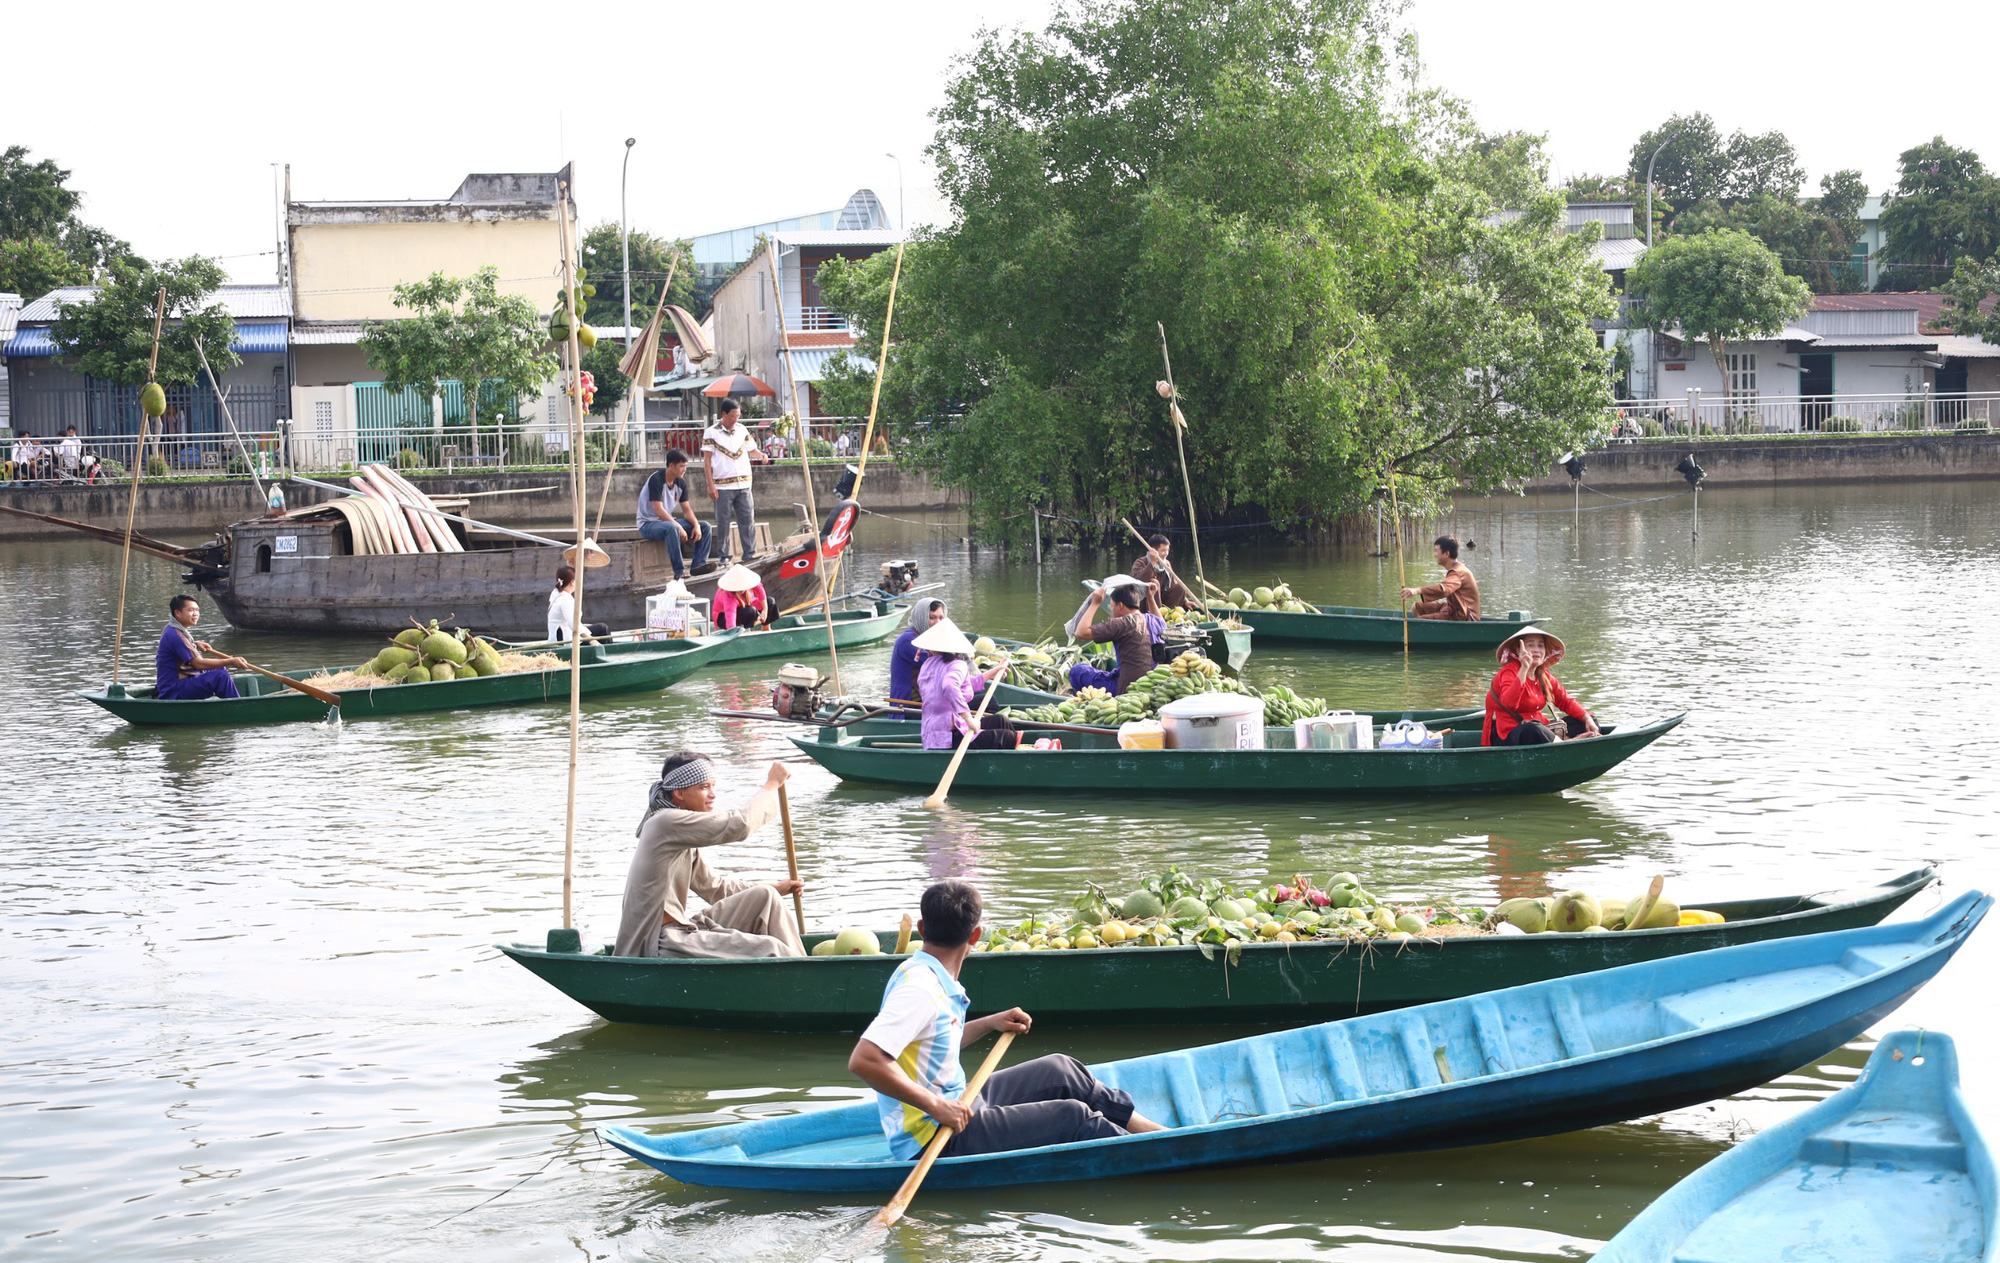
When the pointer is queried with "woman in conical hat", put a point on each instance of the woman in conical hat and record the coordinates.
(1525, 696)
(905, 658)
(740, 599)
(948, 684)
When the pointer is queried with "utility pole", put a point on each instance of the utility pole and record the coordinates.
(625, 241)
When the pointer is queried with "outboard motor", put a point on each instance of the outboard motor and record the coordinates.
(797, 693)
(898, 577)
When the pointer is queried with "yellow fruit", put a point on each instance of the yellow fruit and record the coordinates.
(1286, 936)
(586, 336)
(1215, 923)
(153, 400)
(1059, 943)
(1086, 940)
(1115, 932)
(1699, 916)
(1270, 929)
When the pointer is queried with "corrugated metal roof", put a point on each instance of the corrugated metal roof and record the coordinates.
(683, 383)
(1876, 342)
(1617, 255)
(242, 302)
(10, 314)
(253, 337)
(328, 333)
(809, 364)
(1954, 346)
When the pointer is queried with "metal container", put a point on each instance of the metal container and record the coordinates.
(1214, 721)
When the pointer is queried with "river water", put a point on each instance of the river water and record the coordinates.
(249, 1007)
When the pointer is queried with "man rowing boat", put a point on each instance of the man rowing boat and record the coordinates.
(186, 669)
(743, 918)
(910, 1055)
(1163, 586)
(1455, 597)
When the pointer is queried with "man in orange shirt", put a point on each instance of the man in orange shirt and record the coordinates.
(1455, 597)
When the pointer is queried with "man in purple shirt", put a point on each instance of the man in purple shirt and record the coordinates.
(188, 669)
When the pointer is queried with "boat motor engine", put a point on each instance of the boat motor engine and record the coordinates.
(797, 693)
(898, 577)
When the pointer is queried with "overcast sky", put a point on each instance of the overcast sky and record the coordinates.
(760, 111)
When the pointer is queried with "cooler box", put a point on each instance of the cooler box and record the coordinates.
(1214, 721)
(1341, 730)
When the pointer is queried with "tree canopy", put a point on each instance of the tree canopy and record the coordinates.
(111, 336)
(1718, 287)
(43, 244)
(462, 329)
(1698, 165)
(1354, 280)
(1946, 206)
(652, 258)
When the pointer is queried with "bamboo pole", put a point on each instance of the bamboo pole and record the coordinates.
(875, 400)
(132, 505)
(1402, 581)
(805, 457)
(576, 505)
(1179, 419)
(631, 401)
(222, 397)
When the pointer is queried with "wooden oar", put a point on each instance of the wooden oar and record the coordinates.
(936, 800)
(791, 855)
(903, 936)
(901, 1201)
(317, 694)
(1198, 599)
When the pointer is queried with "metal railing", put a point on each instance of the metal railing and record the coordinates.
(815, 320)
(1713, 413)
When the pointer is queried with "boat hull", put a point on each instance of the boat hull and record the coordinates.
(803, 635)
(1095, 764)
(1360, 625)
(1508, 1065)
(267, 702)
(1267, 982)
(1006, 695)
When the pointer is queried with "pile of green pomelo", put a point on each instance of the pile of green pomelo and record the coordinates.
(1278, 598)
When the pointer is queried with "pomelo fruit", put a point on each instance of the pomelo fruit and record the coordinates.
(1186, 908)
(1141, 905)
(823, 949)
(985, 645)
(1229, 909)
(1527, 915)
(1410, 923)
(853, 942)
(1573, 910)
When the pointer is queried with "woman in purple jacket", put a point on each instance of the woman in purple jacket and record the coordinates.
(947, 681)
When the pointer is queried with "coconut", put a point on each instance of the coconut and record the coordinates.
(1263, 596)
(1527, 915)
(1283, 592)
(443, 671)
(1141, 905)
(1186, 908)
(1574, 910)
(853, 942)
(1229, 909)
(823, 948)
(444, 647)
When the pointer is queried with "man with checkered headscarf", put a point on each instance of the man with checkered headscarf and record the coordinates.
(743, 918)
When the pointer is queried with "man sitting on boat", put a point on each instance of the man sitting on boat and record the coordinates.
(190, 669)
(743, 918)
(740, 600)
(910, 1055)
(946, 683)
(905, 657)
(1162, 584)
(1523, 691)
(664, 497)
(1130, 630)
(1454, 598)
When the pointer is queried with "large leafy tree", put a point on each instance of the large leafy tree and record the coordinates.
(1946, 206)
(110, 336)
(43, 244)
(1717, 287)
(652, 258)
(1971, 308)
(1354, 280)
(1813, 237)
(1696, 165)
(463, 329)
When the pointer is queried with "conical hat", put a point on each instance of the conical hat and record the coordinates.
(1505, 651)
(944, 638)
(738, 578)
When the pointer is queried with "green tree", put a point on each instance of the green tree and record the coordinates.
(1697, 165)
(1968, 309)
(43, 245)
(463, 329)
(1813, 237)
(1600, 188)
(110, 336)
(1717, 287)
(32, 266)
(652, 257)
(35, 197)
(1946, 206)
(1322, 240)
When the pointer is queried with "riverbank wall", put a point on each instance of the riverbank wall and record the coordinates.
(1776, 460)
(535, 498)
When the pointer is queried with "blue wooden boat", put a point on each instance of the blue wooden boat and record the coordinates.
(1890, 1170)
(1526, 1061)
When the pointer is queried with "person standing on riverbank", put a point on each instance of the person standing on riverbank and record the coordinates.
(727, 452)
(186, 669)
(1454, 598)
(744, 919)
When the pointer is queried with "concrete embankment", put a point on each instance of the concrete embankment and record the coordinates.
(1648, 465)
(178, 507)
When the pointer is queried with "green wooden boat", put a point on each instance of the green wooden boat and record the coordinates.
(1094, 763)
(1022, 698)
(791, 636)
(1359, 625)
(1288, 983)
(269, 702)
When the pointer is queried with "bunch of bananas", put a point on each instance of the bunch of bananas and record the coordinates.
(1186, 676)
(1194, 664)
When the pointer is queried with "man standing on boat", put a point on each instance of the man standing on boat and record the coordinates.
(910, 1055)
(663, 498)
(743, 918)
(1454, 598)
(727, 451)
(187, 669)
(1162, 584)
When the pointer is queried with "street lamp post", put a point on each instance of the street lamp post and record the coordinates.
(625, 240)
(1649, 184)
(902, 222)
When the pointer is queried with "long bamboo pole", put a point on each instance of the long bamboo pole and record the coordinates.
(1179, 420)
(632, 396)
(875, 399)
(222, 397)
(805, 457)
(1402, 580)
(576, 505)
(132, 505)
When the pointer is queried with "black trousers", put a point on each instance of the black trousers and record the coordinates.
(996, 732)
(1048, 1101)
(1535, 733)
